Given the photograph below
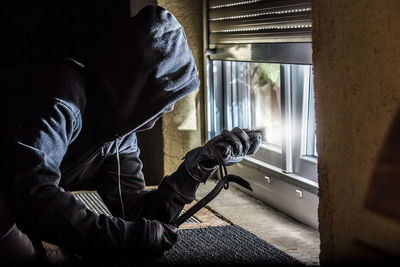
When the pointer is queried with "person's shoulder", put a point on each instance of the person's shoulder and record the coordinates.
(62, 80)
(129, 143)
(64, 74)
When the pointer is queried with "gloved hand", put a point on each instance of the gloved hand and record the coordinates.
(158, 238)
(230, 146)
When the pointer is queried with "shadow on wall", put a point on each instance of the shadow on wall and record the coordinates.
(383, 194)
(151, 145)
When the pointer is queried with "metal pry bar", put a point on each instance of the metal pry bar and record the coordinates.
(223, 183)
(210, 196)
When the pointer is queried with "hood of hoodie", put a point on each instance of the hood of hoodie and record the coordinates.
(136, 71)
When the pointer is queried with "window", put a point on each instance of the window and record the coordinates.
(250, 97)
(259, 75)
(277, 98)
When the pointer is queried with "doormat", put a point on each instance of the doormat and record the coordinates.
(223, 245)
(203, 218)
(207, 240)
(228, 245)
(93, 202)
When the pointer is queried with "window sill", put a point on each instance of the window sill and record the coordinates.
(292, 194)
(311, 159)
(291, 178)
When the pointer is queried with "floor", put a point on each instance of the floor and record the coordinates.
(279, 230)
(233, 206)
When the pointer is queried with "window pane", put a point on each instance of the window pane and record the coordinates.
(276, 98)
(266, 101)
(312, 138)
(253, 98)
(309, 136)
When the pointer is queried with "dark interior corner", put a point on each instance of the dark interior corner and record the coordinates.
(151, 144)
(40, 31)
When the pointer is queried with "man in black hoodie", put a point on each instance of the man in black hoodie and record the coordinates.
(66, 125)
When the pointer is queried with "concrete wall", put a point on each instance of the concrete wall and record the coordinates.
(356, 61)
(181, 129)
(137, 5)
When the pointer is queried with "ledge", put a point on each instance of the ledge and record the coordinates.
(291, 178)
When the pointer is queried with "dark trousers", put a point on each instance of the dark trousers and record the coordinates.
(17, 248)
(176, 190)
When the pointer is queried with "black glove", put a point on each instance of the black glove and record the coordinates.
(230, 147)
(158, 238)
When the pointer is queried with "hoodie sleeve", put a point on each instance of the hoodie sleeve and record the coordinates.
(44, 210)
(163, 203)
(167, 201)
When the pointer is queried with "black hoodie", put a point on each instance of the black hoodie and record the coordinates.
(148, 63)
(68, 125)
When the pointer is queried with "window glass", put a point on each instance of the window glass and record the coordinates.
(311, 134)
(309, 148)
(277, 98)
(252, 98)
(266, 101)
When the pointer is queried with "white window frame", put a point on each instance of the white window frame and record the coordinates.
(284, 190)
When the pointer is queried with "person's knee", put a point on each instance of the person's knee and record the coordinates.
(16, 248)
(6, 222)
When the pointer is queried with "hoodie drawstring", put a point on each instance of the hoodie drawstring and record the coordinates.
(117, 139)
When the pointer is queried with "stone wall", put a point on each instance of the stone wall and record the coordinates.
(356, 61)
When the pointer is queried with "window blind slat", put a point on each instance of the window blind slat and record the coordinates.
(247, 24)
(254, 9)
(233, 15)
(226, 3)
(257, 21)
(261, 37)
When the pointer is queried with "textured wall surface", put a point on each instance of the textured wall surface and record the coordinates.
(136, 5)
(182, 127)
(356, 61)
